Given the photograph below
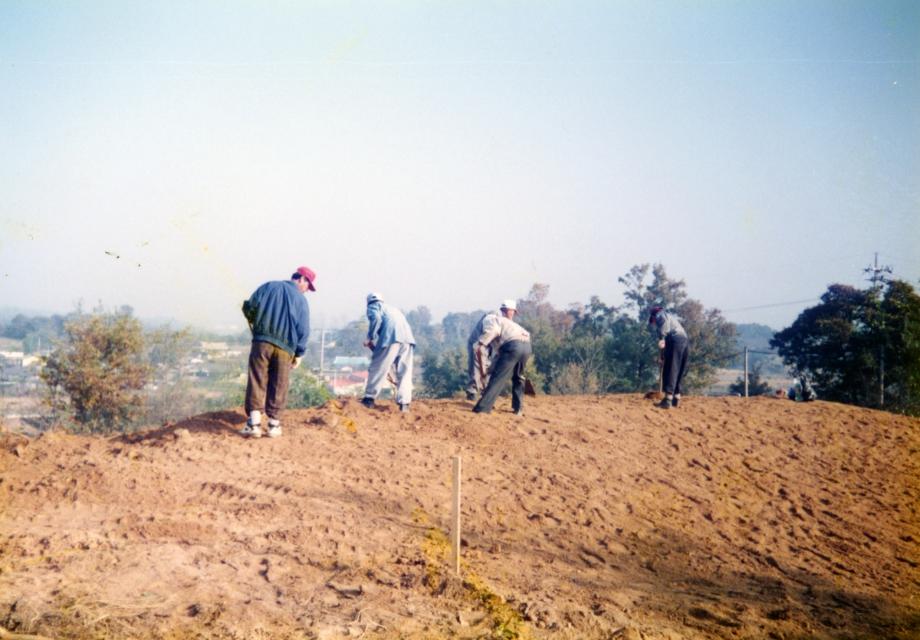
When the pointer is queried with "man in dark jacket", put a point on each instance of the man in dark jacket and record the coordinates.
(673, 340)
(279, 317)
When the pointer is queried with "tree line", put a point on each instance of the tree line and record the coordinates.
(593, 347)
(859, 346)
(106, 372)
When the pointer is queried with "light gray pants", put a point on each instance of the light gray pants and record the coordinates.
(396, 360)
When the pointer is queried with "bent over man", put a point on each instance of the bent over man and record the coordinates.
(279, 317)
(390, 337)
(511, 342)
(673, 339)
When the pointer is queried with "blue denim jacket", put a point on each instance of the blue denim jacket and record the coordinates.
(278, 313)
(387, 325)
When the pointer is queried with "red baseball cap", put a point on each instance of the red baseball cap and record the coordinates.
(307, 272)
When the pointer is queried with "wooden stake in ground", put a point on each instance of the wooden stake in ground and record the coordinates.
(455, 519)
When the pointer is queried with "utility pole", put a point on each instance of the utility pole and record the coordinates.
(322, 351)
(745, 371)
(878, 277)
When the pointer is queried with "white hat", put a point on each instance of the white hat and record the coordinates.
(374, 297)
(509, 304)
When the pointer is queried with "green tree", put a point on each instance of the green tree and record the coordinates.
(549, 328)
(168, 396)
(349, 340)
(757, 386)
(306, 390)
(711, 336)
(228, 394)
(632, 355)
(428, 336)
(827, 343)
(19, 327)
(712, 342)
(444, 375)
(37, 333)
(574, 378)
(456, 328)
(845, 343)
(662, 291)
(98, 371)
(900, 310)
(609, 349)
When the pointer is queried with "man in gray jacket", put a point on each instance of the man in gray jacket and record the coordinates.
(509, 344)
(390, 338)
(673, 340)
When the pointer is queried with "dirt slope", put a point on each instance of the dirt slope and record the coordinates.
(590, 517)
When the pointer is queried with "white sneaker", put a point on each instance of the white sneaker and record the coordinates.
(252, 431)
(274, 430)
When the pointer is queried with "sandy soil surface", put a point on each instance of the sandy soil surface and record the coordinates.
(589, 517)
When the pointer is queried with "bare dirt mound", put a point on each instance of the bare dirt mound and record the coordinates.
(590, 517)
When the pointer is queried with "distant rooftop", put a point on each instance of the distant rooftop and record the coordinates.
(351, 361)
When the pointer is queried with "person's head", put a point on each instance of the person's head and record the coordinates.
(303, 278)
(508, 308)
(653, 313)
(374, 297)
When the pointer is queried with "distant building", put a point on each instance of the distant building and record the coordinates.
(350, 383)
(217, 350)
(351, 362)
(12, 358)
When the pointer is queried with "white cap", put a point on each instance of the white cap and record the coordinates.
(509, 304)
(374, 297)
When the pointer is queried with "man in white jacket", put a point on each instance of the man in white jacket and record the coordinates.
(509, 344)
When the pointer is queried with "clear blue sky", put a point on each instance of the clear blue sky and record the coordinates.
(451, 154)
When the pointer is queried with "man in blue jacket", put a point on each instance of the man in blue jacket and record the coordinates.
(390, 337)
(279, 317)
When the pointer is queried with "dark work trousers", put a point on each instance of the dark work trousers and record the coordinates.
(512, 357)
(676, 351)
(269, 375)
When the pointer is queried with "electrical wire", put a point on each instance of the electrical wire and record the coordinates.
(774, 304)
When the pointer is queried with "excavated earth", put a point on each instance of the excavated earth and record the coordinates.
(589, 517)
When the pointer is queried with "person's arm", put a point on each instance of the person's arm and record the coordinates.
(251, 307)
(491, 329)
(375, 320)
(303, 331)
(249, 312)
(658, 330)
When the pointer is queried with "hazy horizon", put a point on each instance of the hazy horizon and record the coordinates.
(173, 156)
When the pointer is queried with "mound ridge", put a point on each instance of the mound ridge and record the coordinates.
(589, 517)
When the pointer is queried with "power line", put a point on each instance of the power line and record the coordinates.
(774, 304)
